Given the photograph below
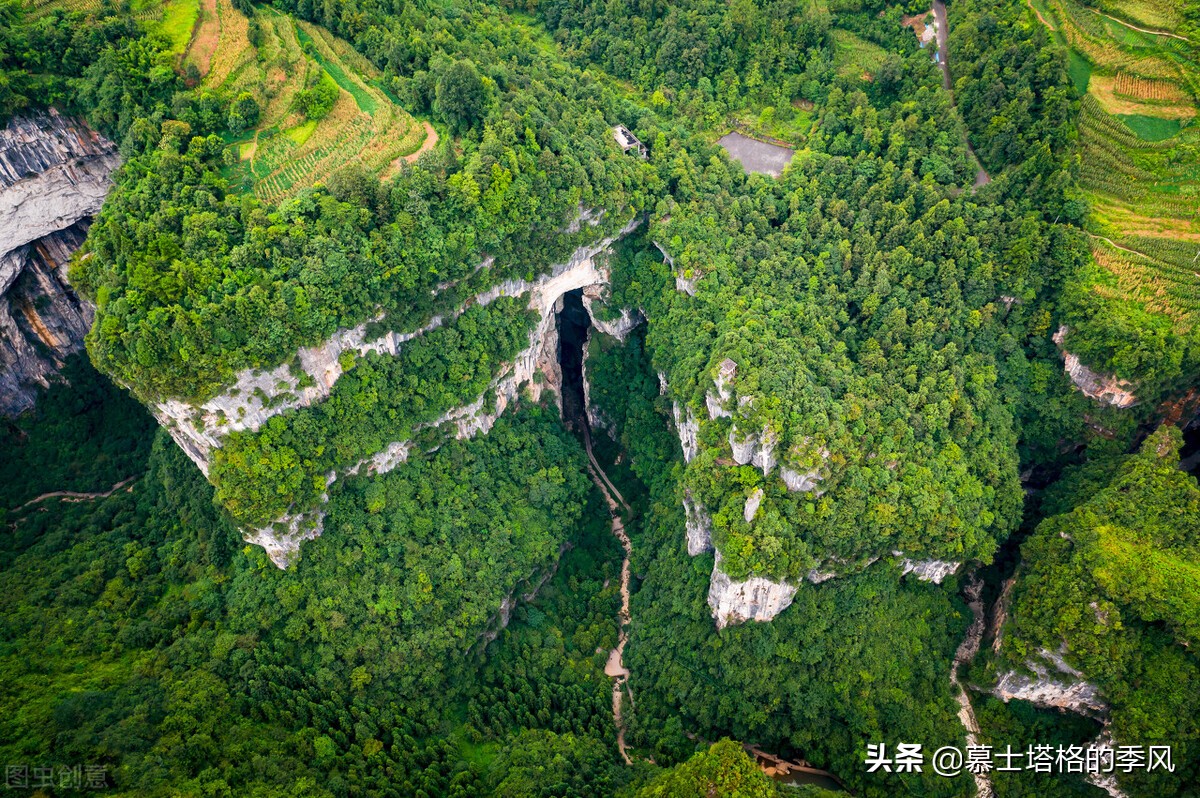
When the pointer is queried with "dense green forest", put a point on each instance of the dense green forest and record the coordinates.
(1113, 577)
(887, 304)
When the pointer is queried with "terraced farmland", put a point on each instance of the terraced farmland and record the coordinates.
(1172, 289)
(287, 151)
(1139, 151)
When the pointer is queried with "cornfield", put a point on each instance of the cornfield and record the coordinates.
(1159, 287)
(1147, 89)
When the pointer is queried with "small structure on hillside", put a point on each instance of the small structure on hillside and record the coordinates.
(627, 141)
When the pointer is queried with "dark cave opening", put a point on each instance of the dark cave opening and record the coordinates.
(573, 325)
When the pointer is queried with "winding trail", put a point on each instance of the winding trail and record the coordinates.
(615, 668)
(942, 27)
(1115, 245)
(74, 496)
(431, 140)
(965, 653)
(1041, 19)
(1131, 26)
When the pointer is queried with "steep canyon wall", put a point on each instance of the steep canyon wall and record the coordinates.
(54, 175)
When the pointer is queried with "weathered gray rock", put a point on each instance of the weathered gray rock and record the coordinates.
(718, 403)
(594, 300)
(42, 321)
(1104, 388)
(698, 524)
(800, 481)
(754, 599)
(927, 570)
(689, 432)
(281, 539)
(753, 501)
(753, 449)
(54, 174)
(1065, 688)
(54, 171)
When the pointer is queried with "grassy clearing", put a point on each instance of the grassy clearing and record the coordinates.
(855, 56)
(1151, 128)
(301, 133)
(179, 19)
(1080, 70)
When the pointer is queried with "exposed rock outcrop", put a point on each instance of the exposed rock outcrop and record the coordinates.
(698, 524)
(750, 509)
(718, 403)
(1104, 388)
(258, 395)
(800, 481)
(54, 171)
(754, 599)
(620, 327)
(927, 570)
(198, 432)
(1066, 688)
(54, 175)
(757, 449)
(689, 432)
(42, 321)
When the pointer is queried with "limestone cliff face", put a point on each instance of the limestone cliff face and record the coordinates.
(753, 599)
(259, 395)
(54, 175)
(698, 524)
(1104, 388)
(1062, 688)
(927, 570)
(42, 320)
(761, 598)
(54, 171)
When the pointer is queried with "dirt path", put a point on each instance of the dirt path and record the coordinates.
(431, 140)
(1115, 245)
(205, 37)
(615, 668)
(942, 27)
(1041, 19)
(1136, 28)
(73, 496)
(965, 653)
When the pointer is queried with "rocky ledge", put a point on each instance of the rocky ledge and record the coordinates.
(1104, 388)
(54, 175)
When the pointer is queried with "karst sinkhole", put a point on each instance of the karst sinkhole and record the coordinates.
(573, 325)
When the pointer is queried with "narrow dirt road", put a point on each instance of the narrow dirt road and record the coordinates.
(1041, 19)
(1136, 28)
(73, 496)
(982, 178)
(615, 668)
(431, 140)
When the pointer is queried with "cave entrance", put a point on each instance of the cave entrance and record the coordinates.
(573, 326)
